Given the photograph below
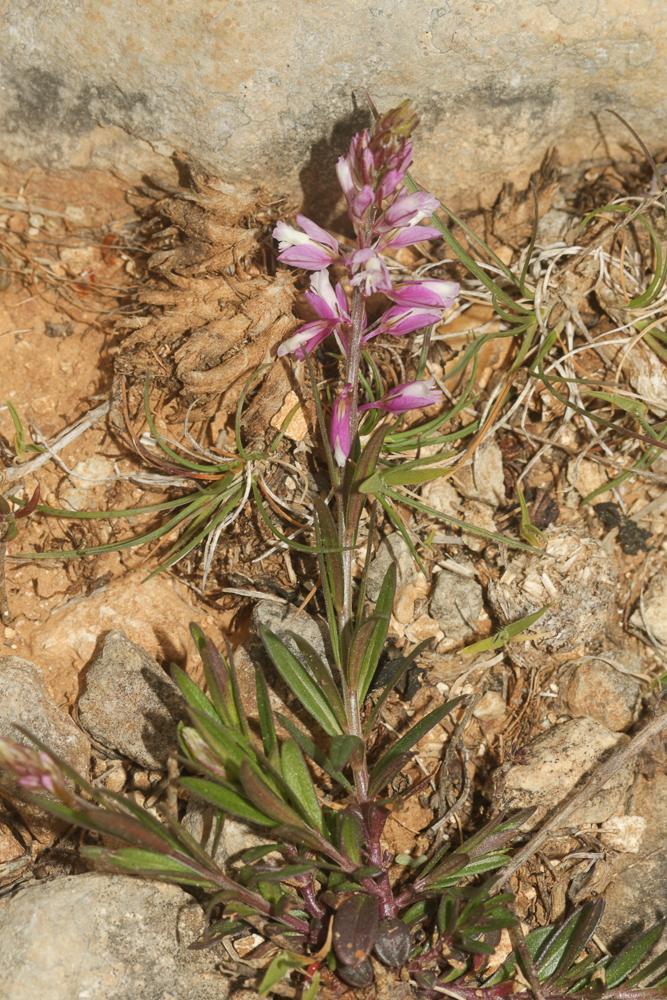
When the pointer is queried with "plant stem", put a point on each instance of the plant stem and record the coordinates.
(352, 380)
(352, 706)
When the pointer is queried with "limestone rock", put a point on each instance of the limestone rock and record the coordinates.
(634, 898)
(242, 86)
(105, 937)
(599, 691)
(554, 763)
(25, 702)
(281, 619)
(411, 584)
(456, 603)
(651, 616)
(130, 705)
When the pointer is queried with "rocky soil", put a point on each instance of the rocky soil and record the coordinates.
(87, 643)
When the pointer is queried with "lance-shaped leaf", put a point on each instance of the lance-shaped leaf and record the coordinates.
(352, 836)
(267, 726)
(583, 929)
(343, 749)
(311, 750)
(365, 468)
(376, 640)
(266, 800)
(321, 674)
(386, 770)
(329, 551)
(193, 694)
(355, 928)
(550, 955)
(149, 864)
(391, 676)
(222, 682)
(298, 780)
(301, 684)
(226, 800)
(413, 735)
(633, 955)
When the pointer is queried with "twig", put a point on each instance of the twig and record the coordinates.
(17, 472)
(590, 787)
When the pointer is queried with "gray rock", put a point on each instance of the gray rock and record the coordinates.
(24, 701)
(554, 763)
(635, 898)
(600, 691)
(234, 837)
(456, 603)
(282, 619)
(105, 937)
(649, 617)
(242, 86)
(394, 549)
(130, 705)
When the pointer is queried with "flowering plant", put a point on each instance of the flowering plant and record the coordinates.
(384, 216)
(332, 902)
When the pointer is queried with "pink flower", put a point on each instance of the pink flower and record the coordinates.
(427, 292)
(331, 307)
(407, 396)
(341, 430)
(31, 769)
(370, 271)
(312, 249)
(398, 321)
(396, 167)
(407, 210)
(406, 237)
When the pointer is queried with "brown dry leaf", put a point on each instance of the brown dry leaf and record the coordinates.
(208, 314)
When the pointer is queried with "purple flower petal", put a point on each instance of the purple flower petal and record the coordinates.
(407, 237)
(308, 256)
(316, 232)
(341, 430)
(398, 321)
(429, 292)
(304, 340)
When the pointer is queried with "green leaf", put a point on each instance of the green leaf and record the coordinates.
(506, 634)
(193, 694)
(321, 673)
(226, 800)
(342, 749)
(351, 836)
(298, 780)
(417, 732)
(330, 554)
(311, 991)
(265, 799)
(632, 955)
(149, 864)
(301, 684)
(552, 952)
(375, 645)
(588, 919)
(216, 673)
(477, 867)
(265, 714)
(281, 966)
(312, 751)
